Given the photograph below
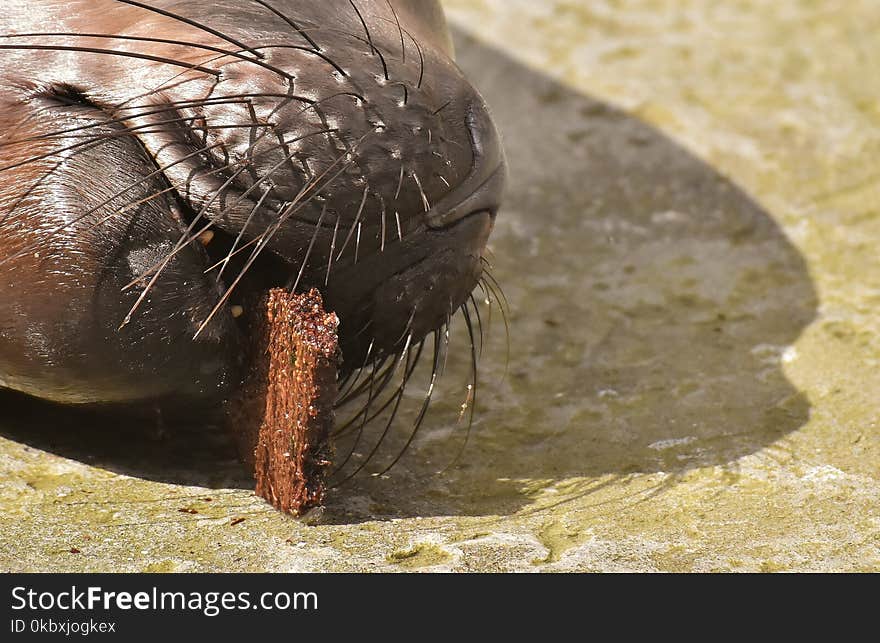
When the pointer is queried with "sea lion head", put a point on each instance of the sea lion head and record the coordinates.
(168, 162)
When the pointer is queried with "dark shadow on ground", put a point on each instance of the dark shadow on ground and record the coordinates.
(141, 443)
(651, 299)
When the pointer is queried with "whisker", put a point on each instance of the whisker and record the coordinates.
(267, 236)
(406, 328)
(506, 330)
(234, 250)
(192, 23)
(114, 121)
(332, 250)
(90, 211)
(418, 48)
(403, 86)
(399, 183)
(313, 104)
(382, 223)
(231, 254)
(425, 202)
(396, 398)
(365, 412)
(393, 367)
(188, 236)
(357, 391)
(357, 219)
(167, 41)
(400, 29)
(309, 250)
(374, 48)
(479, 320)
(344, 428)
(442, 107)
(161, 265)
(290, 22)
(497, 289)
(61, 150)
(313, 50)
(364, 24)
(446, 338)
(341, 396)
(421, 63)
(113, 52)
(237, 200)
(489, 301)
(193, 127)
(471, 398)
(422, 412)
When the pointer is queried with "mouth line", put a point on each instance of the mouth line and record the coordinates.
(473, 196)
(422, 245)
(270, 270)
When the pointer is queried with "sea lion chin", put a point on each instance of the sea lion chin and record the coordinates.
(164, 162)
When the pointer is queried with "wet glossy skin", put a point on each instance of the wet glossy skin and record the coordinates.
(330, 144)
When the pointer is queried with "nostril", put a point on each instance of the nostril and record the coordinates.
(481, 191)
(485, 142)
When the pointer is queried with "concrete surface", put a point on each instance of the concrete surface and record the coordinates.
(690, 252)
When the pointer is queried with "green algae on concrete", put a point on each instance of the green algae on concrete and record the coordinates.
(690, 254)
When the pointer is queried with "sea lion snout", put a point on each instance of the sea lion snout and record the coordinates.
(165, 163)
(483, 188)
(388, 143)
(385, 150)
